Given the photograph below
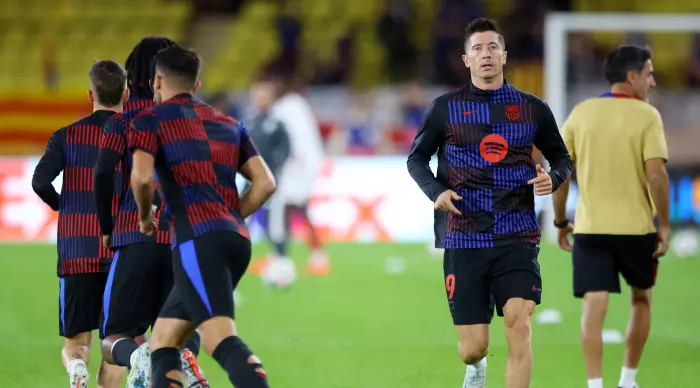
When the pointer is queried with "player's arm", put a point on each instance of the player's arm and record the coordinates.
(560, 196)
(655, 154)
(283, 145)
(50, 165)
(430, 137)
(142, 139)
(549, 141)
(112, 149)
(256, 171)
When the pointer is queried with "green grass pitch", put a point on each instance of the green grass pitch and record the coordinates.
(364, 328)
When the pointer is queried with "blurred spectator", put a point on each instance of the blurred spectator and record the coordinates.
(448, 47)
(360, 130)
(289, 29)
(693, 67)
(414, 105)
(50, 66)
(584, 62)
(394, 32)
(337, 71)
(523, 31)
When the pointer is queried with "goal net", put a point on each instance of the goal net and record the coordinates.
(575, 46)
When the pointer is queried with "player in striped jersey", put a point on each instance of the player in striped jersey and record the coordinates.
(142, 268)
(83, 263)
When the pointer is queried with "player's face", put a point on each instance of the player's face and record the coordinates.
(643, 81)
(262, 95)
(485, 55)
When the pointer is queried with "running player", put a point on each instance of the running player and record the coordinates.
(483, 134)
(83, 263)
(297, 177)
(621, 182)
(141, 271)
(197, 151)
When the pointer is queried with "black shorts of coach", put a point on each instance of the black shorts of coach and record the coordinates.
(600, 259)
(478, 280)
(140, 280)
(80, 303)
(207, 270)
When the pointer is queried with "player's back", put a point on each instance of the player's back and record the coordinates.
(199, 153)
(126, 228)
(79, 239)
(610, 138)
(295, 113)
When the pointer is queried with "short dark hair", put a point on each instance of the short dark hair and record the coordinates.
(623, 59)
(483, 25)
(138, 64)
(179, 64)
(108, 82)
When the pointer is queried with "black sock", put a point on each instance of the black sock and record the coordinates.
(192, 343)
(281, 248)
(121, 351)
(232, 354)
(164, 360)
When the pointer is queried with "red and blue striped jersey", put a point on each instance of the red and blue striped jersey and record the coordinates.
(484, 141)
(73, 150)
(126, 227)
(198, 151)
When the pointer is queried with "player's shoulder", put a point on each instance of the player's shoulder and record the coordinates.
(530, 98)
(610, 105)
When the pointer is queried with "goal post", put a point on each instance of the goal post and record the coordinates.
(559, 24)
(556, 29)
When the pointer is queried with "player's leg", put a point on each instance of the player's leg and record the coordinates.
(207, 270)
(471, 305)
(634, 255)
(517, 288)
(80, 304)
(595, 277)
(277, 225)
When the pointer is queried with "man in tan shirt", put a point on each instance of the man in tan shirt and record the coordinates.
(617, 143)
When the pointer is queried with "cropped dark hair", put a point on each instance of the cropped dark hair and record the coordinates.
(180, 64)
(623, 59)
(108, 82)
(483, 25)
(138, 64)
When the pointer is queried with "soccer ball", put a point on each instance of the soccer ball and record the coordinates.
(685, 243)
(279, 273)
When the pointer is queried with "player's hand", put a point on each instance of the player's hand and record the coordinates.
(542, 182)
(106, 240)
(563, 237)
(444, 203)
(148, 226)
(663, 234)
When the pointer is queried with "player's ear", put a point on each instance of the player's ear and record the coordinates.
(505, 57)
(196, 86)
(125, 96)
(150, 84)
(465, 59)
(91, 96)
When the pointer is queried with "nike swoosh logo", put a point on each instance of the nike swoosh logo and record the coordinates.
(468, 113)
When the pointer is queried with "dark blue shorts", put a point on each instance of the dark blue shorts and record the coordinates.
(207, 271)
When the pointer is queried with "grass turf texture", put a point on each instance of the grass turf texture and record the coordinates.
(361, 327)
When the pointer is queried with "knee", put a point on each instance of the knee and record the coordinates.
(640, 298)
(472, 352)
(518, 318)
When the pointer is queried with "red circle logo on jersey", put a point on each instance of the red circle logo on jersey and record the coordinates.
(493, 148)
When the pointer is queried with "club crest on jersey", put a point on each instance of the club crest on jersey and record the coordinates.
(513, 112)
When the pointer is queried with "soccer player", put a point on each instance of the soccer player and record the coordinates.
(484, 134)
(273, 143)
(197, 152)
(140, 277)
(617, 142)
(83, 263)
(297, 177)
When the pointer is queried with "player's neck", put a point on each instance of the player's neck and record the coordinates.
(488, 84)
(168, 94)
(117, 109)
(621, 89)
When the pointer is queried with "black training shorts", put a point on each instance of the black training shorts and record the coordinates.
(207, 270)
(140, 279)
(80, 303)
(479, 279)
(598, 259)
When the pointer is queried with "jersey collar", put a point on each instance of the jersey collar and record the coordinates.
(616, 95)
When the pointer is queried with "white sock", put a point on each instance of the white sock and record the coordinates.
(479, 367)
(595, 383)
(73, 363)
(627, 377)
